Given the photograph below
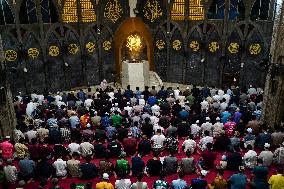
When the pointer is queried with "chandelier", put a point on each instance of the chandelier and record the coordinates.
(134, 43)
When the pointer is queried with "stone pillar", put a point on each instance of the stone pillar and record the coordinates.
(273, 101)
(7, 112)
(132, 6)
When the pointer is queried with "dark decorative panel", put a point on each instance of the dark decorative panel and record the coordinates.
(15, 69)
(35, 65)
(160, 55)
(255, 52)
(194, 66)
(48, 11)
(107, 55)
(91, 59)
(260, 10)
(177, 58)
(28, 12)
(74, 70)
(6, 14)
(212, 58)
(55, 66)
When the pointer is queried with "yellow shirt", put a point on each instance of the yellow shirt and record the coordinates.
(104, 185)
(276, 181)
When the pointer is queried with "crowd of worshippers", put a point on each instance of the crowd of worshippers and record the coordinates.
(57, 136)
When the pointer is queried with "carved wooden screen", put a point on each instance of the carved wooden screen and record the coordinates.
(34, 64)
(160, 54)
(194, 67)
(28, 12)
(48, 11)
(6, 14)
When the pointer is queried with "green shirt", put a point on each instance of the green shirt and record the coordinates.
(116, 119)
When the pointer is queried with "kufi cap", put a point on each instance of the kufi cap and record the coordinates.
(204, 172)
(266, 145)
(187, 87)
(217, 119)
(249, 130)
(207, 118)
(7, 137)
(116, 104)
(88, 125)
(105, 176)
(241, 168)
(197, 121)
(123, 154)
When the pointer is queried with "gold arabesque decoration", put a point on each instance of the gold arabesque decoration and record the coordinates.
(73, 48)
(160, 44)
(255, 49)
(53, 50)
(176, 44)
(233, 48)
(152, 10)
(134, 43)
(10, 55)
(214, 46)
(33, 52)
(91, 47)
(113, 10)
(194, 45)
(107, 45)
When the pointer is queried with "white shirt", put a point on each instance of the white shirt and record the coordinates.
(252, 91)
(267, 157)
(74, 147)
(60, 103)
(11, 173)
(221, 93)
(40, 99)
(58, 98)
(250, 154)
(218, 127)
(155, 108)
(31, 134)
(141, 102)
(158, 139)
(123, 184)
(60, 167)
(154, 120)
(176, 93)
(204, 105)
(33, 96)
(88, 103)
(223, 106)
(217, 98)
(129, 109)
(86, 148)
(194, 129)
(189, 145)
(207, 126)
(204, 141)
(227, 97)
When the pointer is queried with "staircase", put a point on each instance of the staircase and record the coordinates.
(155, 80)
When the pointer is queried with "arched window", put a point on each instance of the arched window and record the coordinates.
(70, 11)
(48, 11)
(260, 10)
(237, 9)
(6, 16)
(28, 12)
(195, 10)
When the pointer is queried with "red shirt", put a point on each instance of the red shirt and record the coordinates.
(129, 145)
(7, 149)
(229, 128)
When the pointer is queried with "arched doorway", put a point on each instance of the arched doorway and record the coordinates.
(127, 28)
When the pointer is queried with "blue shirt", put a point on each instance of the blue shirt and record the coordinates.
(74, 121)
(152, 100)
(224, 117)
(178, 184)
(238, 181)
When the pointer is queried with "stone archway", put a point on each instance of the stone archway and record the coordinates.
(128, 27)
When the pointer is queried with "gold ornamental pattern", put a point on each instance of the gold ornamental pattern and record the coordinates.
(194, 45)
(255, 49)
(107, 45)
(113, 10)
(33, 53)
(176, 44)
(234, 48)
(213, 46)
(10, 55)
(91, 47)
(73, 48)
(152, 10)
(53, 51)
(160, 44)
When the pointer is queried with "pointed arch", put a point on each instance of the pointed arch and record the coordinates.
(6, 13)
(260, 10)
(70, 11)
(28, 13)
(48, 11)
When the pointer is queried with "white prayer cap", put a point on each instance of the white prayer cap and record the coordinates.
(249, 130)
(197, 121)
(204, 172)
(116, 104)
(282, 143)
(266, 145)
(217, 119)
(128, 103)
(250, 86)
(224, 157)
(7, 137)
(58, 92)
(88, 125)
(105, 176)
(187, 87)
(207, 118)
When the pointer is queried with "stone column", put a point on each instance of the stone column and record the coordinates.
(7, 112)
